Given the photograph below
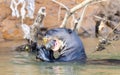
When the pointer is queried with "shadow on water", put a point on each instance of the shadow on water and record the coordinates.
(103, 62)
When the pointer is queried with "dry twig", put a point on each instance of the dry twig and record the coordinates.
(106, 41)
(74, 9)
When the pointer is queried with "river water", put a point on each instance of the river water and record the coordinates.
(24, 63)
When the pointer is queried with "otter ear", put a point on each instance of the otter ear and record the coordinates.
(69, 31)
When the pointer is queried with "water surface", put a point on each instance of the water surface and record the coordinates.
(106, 62)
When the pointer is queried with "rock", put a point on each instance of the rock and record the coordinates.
(4, 11)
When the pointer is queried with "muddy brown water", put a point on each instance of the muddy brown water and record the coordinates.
(106, 62)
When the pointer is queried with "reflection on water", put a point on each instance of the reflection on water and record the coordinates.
(23, 63)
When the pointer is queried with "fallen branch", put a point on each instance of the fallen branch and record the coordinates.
(23, 12)
(59, 12)
(105, 41)
(61, 4)
(31, 33)
(82, 15)
(107, 22)
(81, 18)
(73, 22)
(113, 30)
(37, 25)
(68, 14)
(100, 18)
